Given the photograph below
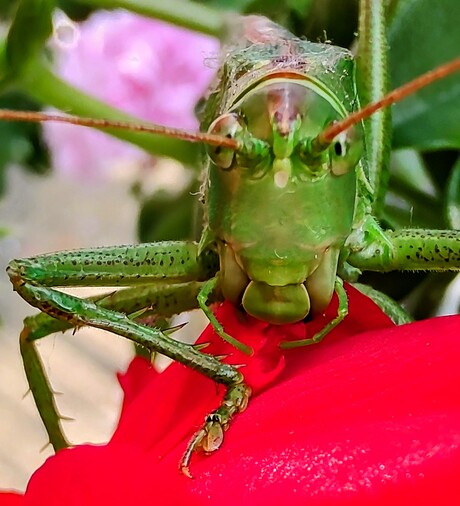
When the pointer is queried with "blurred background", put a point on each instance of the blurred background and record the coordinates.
(66, 188)
(83, 365)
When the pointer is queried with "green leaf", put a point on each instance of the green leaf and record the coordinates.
(424, 34)
(74, 9)
(167, 217)
(21, 143)
(231, 5)
(412, 199)
(300, 7)
(31, 27)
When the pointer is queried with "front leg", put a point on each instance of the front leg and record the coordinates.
(141, 303)
(83, 312)
(342, 311)
(32, 277)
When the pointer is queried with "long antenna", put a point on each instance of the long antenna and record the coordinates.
(177, 133)
(329, 133)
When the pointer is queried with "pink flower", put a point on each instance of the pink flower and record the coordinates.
(148, 68)
(371, 416)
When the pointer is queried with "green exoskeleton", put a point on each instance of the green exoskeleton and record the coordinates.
(280, 261)
(292, 179)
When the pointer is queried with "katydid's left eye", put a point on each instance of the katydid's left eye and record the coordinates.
(227, 125)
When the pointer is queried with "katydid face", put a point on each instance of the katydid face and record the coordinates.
(281, 213)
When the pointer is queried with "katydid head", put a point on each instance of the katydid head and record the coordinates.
(263, 197)
(275, 125)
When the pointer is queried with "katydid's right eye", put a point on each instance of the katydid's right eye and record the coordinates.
(339, 148)
(346, 151)
(228, 125)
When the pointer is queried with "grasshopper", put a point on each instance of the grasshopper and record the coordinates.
(283, 124)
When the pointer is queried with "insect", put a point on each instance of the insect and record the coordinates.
(284, 136)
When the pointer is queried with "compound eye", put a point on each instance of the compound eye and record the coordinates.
(346, 150)
(340, 147)
(227, 125)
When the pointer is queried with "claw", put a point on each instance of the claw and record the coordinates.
(209, 438)
(211, 435)
(193, 445)
(185, 470)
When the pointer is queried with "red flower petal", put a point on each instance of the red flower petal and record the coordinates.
(369, 420)
(11, 499)
(363, 418)
(96, 475)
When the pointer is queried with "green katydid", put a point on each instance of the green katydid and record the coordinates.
(283, 122)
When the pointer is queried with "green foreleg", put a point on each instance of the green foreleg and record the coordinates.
(173, 262)
(119, 266)
(386, 304)
(105, 267)
(161, 300)
(342, 311)
(203, 299)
